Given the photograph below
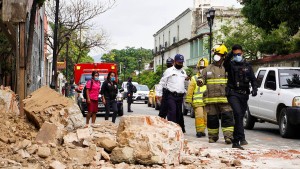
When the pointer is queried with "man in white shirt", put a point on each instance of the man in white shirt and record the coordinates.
(173, 80)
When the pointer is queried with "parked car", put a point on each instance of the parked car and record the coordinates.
(124, 88)
(141, 94)
(278, 100)
(151, 97)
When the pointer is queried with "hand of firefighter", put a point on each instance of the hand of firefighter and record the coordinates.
(200, 83)
(254, 93)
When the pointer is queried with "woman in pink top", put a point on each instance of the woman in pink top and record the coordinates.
(92, 92)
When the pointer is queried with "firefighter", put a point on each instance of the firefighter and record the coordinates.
(163, 111)
(216, 104)
(194, 96)
(240, 75)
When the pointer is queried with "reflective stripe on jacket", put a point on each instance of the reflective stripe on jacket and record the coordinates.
(215, 78)
(195, 93)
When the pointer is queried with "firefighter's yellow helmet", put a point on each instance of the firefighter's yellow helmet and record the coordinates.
(203, 62)
(220, 49)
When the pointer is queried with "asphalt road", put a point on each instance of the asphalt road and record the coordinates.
(264, 135)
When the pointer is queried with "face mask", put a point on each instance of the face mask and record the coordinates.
(96, 78)
(238, 58)
(201, 71)
(178, 66)
(169, 65)
(217, 58)
(112, 79)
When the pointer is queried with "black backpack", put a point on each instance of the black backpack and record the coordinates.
(84, 90)
(134, 90)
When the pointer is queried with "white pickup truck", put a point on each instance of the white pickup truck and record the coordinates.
(277, 101)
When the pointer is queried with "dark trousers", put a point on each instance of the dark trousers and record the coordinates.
(113, 105)
(175, 115)
(129, 101)
(163, 111)
(238, 103)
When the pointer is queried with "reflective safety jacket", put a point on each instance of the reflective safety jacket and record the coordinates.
(195, 93)
(215, 78)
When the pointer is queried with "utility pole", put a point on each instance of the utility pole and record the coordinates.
(22, 64)
(53, 84)
(67, 58)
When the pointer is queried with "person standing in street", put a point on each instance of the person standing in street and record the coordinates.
(194, 97)
(163, 111)
(92, 93)
(216, 104)
(109, 93)
(240, 75)
(129, 94)
(173, 80)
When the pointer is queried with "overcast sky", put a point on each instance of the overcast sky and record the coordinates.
(133, 22)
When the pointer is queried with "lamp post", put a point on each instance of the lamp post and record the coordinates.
(162, 52)
(67, 58)
(210, 15)
(140, 61)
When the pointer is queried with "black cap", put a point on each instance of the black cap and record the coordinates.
(170, 61)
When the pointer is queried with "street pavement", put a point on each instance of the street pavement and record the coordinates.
(264, 135)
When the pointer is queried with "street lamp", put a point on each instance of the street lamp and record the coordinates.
(162, 51)
(210, 15)
(140, 61)
(67, 58)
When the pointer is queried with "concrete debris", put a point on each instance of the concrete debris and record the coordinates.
(54, 137)
(8, 101)
(151, 140)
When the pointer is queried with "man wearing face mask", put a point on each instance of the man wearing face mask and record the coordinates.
(216, 104)
(240, 75)
(173, 80)
(163, 103)
(194, 96)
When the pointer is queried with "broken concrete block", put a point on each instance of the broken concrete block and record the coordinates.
(84, 133)
(108, 144)
(82, 156)
(49, 133)
(154, 141)
(57, 165)
(44, 152)
(39, 109)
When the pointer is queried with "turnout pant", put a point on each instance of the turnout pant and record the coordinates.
(175, 115)
(200, 119)
(113, 105)
(214, 113)
(239, 106)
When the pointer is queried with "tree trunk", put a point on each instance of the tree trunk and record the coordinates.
(30, 41)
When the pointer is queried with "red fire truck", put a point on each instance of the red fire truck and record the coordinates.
(83, 73)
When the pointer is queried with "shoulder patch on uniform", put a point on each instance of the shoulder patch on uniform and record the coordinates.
(209, 73)
(182, 72)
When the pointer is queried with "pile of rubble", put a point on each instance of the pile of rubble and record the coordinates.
(53, 136)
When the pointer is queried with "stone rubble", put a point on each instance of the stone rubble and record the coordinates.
(54, 137)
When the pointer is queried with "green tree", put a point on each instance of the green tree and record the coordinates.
(269, 14)
(245, 34)
(129, 58)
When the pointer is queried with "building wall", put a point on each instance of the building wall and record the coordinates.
(175, 32)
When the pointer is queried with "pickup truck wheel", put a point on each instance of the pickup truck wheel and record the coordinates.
(286, 129)
(249, 120)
